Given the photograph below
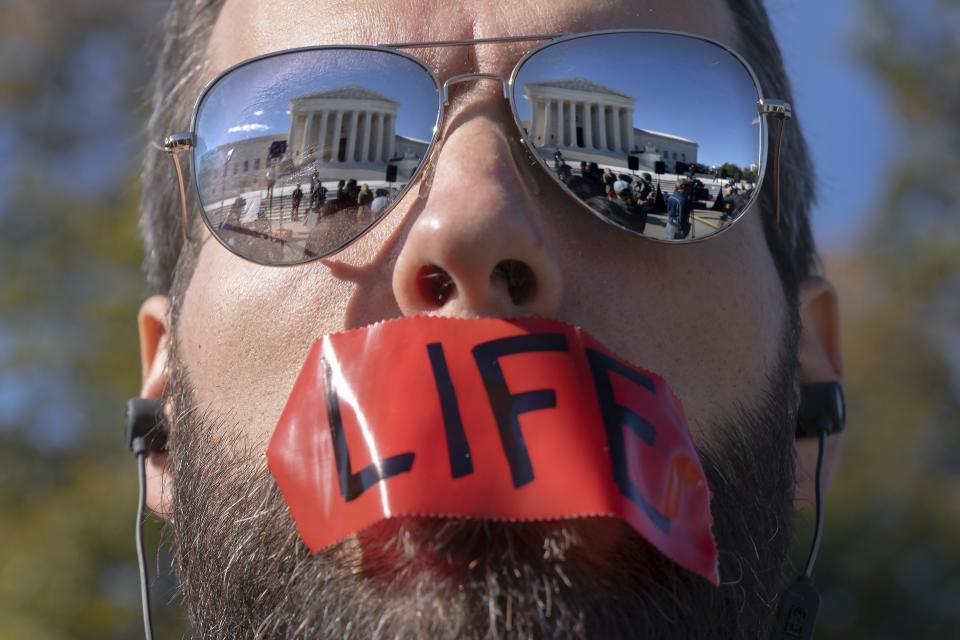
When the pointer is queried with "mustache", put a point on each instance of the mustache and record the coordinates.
(243, 570)
(416, 416)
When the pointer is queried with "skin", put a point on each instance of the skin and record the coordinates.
(708, 317)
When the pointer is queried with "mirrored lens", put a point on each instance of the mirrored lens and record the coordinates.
(657, 133)
(299, 153)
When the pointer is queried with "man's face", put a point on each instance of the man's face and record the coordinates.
(689, 313)
(711, 318)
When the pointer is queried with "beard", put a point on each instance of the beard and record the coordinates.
(244, 572)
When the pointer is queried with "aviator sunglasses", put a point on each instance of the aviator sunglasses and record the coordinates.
(296, 154)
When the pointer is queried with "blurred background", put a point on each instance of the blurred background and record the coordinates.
(878, 91)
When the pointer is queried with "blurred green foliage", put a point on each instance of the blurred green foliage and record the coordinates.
(890, 566)
(70, 284)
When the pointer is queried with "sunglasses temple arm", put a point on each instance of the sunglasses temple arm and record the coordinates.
(782, 111)
(780, 125)
(175, 144)
(183, 196)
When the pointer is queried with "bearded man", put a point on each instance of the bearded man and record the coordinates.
(456, 120)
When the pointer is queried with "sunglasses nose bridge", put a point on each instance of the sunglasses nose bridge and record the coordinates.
(467, 77)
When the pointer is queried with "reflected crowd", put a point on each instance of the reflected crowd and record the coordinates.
(666, 207)
(296, 220)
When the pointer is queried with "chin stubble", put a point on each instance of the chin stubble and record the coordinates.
(245, 573)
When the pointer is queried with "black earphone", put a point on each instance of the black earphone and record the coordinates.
(143, 426)
(822, 412)
(143, 432)
(822, 409)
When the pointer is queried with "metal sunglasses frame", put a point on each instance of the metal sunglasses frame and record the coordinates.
(177, 143)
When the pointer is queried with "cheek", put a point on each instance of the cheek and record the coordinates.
(709, 317)
(244, 331)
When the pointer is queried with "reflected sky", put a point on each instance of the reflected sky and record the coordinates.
(683, 86)
(254, 100)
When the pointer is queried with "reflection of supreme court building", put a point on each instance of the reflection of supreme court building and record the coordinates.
(348, 132)
(349, 125)
(588, 121)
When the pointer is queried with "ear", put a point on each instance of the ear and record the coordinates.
(153, 321)
(819, 359)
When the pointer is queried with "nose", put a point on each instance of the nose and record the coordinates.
(476, 247)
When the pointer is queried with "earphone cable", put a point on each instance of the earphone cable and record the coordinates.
(141, 556)
(818, 525)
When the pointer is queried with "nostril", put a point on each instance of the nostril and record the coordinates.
(436, 285)
(519, 278)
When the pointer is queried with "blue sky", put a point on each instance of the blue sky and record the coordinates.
(255, 99)
(708, 98)
(849, 127)
(851, 132)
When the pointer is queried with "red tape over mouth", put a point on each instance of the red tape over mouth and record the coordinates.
(527, 419)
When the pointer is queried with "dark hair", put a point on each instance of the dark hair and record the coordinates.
(788, 234)
(177, 79)
(178, 76)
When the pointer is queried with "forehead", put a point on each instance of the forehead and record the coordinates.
(247, 28)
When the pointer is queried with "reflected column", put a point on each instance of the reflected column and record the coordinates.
(365, 143)
(626, 127)
(587, 125)
(378, 137)
(573, 123)
(337, 135)
(391, 136)
(617, 140)
(561, 124)
(322, 138)
(602, 121)
(546, 123)
(307, 130)
(352, 136)
(296, 134)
